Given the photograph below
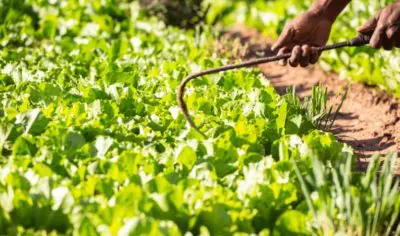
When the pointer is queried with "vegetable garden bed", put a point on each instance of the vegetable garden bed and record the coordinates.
(92, 141)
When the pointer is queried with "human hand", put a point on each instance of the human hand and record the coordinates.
(309, 30)
(385, 27)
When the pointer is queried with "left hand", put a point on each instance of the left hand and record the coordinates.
(301, 36)
(385, 26)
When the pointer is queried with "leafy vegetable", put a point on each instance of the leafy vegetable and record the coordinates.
(92, 142)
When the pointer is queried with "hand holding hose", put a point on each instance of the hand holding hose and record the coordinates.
(300, 37)
(312, 28)
(385, 27)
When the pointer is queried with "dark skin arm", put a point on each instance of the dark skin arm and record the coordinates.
(312, 29)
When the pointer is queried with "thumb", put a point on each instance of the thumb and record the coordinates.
(368, 26)
(284, 39)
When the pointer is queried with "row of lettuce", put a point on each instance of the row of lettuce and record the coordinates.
(92, 141)
(373, 67)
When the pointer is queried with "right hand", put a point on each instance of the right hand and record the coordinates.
(385, 27)
(307, 31)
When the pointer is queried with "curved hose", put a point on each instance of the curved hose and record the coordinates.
(360, 40)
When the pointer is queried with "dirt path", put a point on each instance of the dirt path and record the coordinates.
(369, 120)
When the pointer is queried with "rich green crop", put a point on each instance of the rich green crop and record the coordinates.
(92, 141)
(375, 67)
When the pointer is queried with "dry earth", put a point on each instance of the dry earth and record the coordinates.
(369, 120)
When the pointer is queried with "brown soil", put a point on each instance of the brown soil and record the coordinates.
(369, 120)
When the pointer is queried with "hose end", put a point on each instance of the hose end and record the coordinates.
(360, 40)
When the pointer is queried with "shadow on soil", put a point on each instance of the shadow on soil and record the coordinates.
(351, 126)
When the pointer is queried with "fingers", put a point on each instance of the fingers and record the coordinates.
(282, 51)
(394, 17)
(392, 31)
(388, 39)
(314, 56)
(377, 37)
(369, 25)
(385, 29)
(284, 39)
(296, 56)
(379, 32)
(303, 56)
(300, 55)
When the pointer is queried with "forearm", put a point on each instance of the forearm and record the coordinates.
(329, 8)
